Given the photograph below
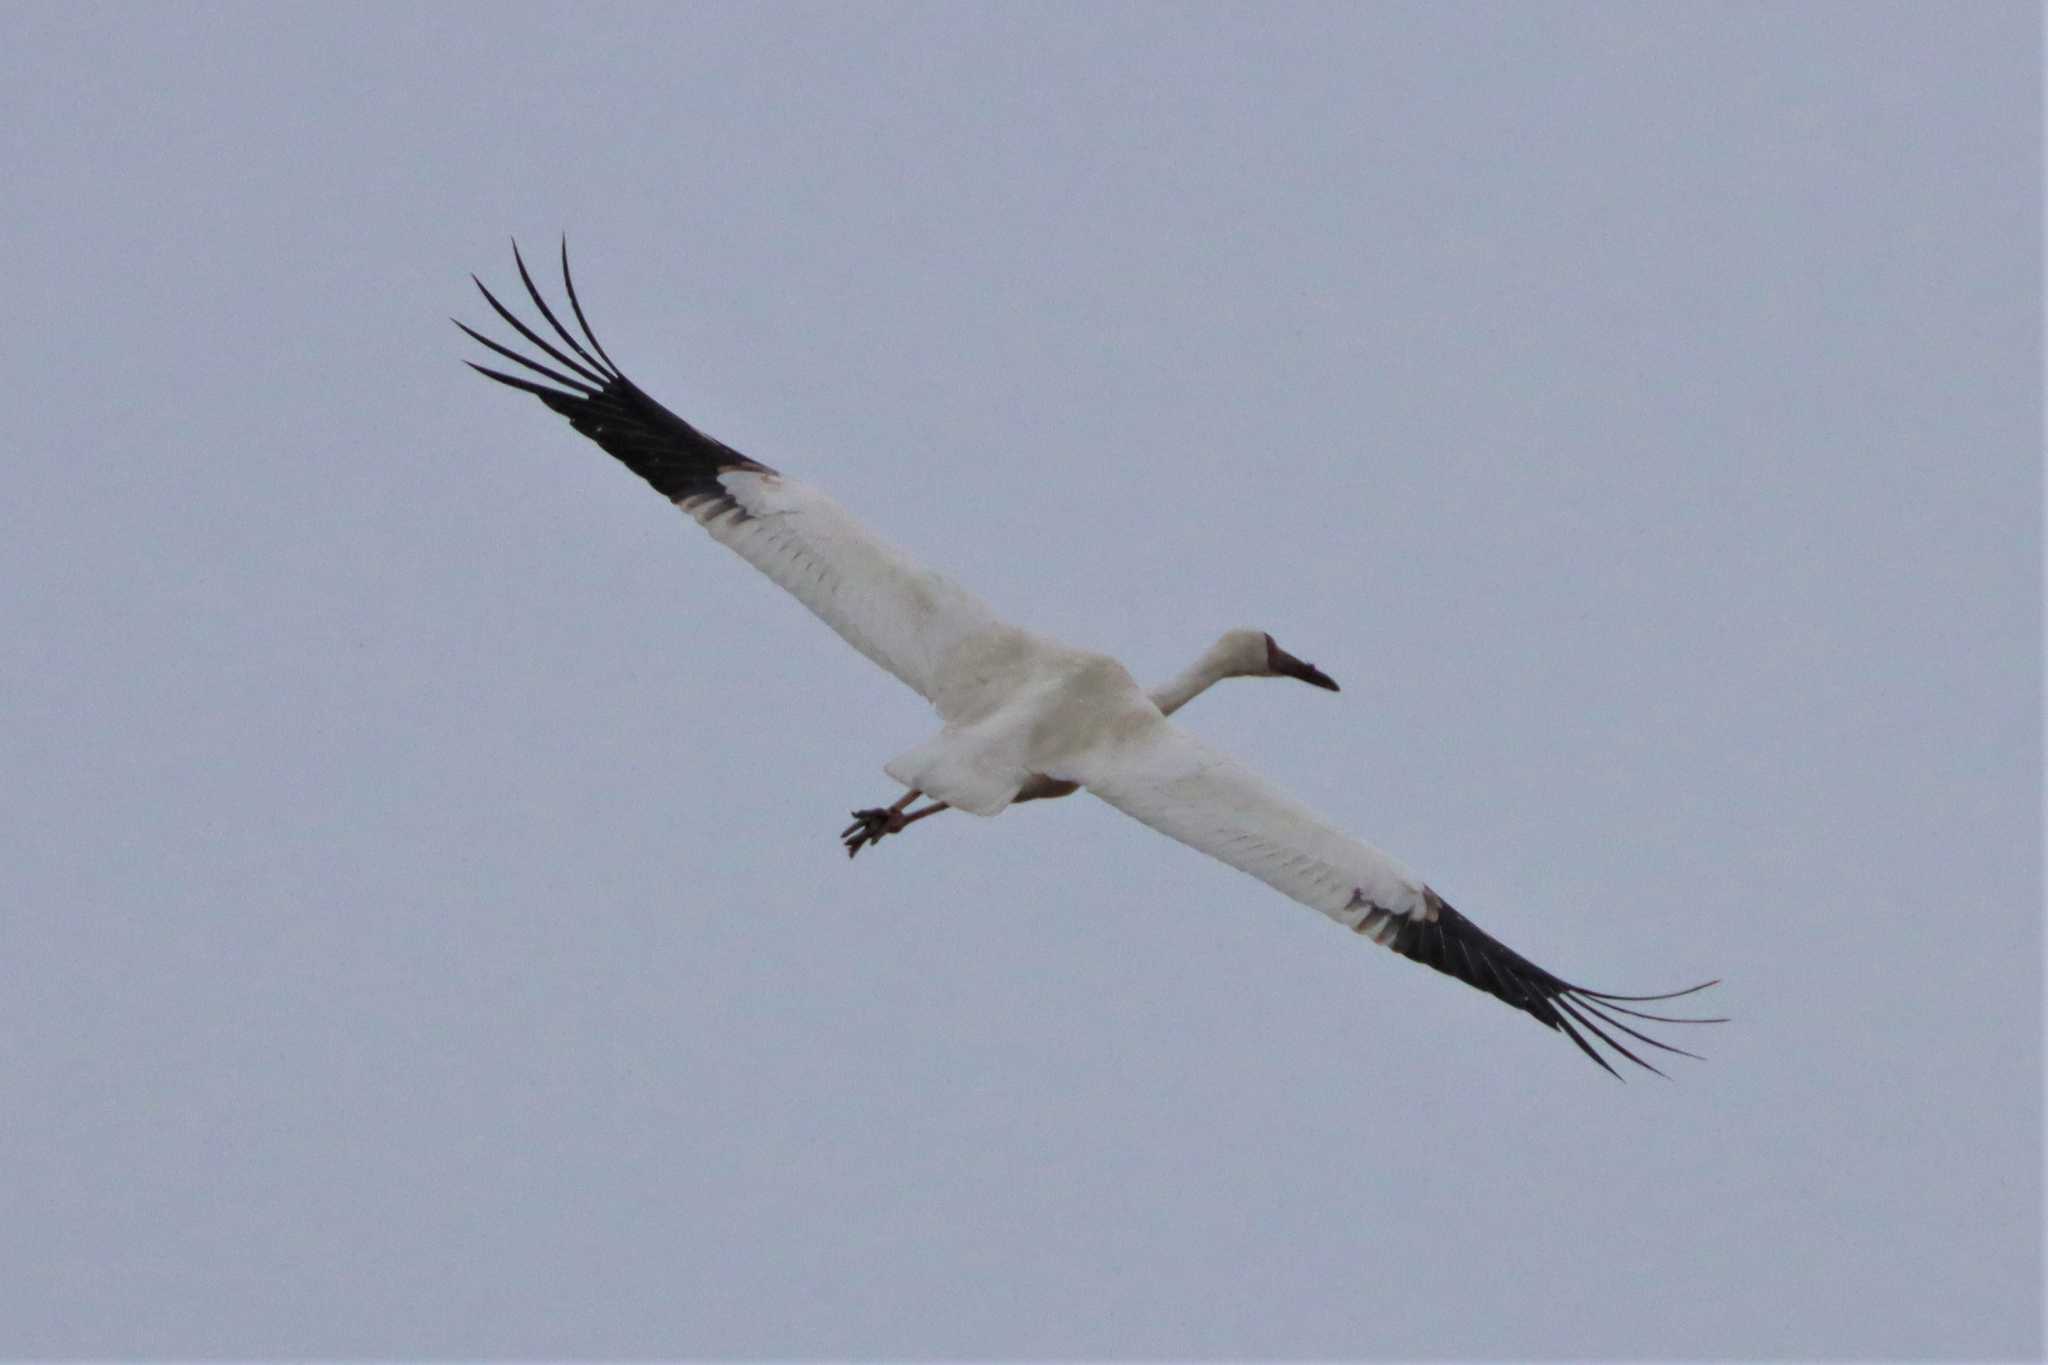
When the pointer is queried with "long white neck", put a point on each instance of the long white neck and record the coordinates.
(1192, 681)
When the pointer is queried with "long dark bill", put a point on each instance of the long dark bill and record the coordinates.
(1287, 666)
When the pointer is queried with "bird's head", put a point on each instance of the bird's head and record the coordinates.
(1255, 654)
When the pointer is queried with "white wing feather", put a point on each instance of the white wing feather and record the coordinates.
(905, 617)
(1166, 778)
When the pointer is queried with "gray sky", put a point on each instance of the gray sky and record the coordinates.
(424, 928)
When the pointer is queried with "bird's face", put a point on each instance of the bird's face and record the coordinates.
(1269, 660)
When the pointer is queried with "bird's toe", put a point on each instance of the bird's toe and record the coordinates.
(868, 826)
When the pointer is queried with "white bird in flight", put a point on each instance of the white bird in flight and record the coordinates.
(1026, 717)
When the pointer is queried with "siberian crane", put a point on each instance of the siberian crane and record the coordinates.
(1025, 717)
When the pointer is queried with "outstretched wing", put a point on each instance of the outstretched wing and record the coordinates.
(1165, 777)
(905, 617)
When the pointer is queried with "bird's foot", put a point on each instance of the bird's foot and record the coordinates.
(869, 826)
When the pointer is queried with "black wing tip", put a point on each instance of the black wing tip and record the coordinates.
(515, 382)
(602, 372)
(585, 386)
(1667, 995)
(1453, 945)
(588, 377)
(576, 305)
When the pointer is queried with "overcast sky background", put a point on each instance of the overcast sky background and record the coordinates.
(424, 930)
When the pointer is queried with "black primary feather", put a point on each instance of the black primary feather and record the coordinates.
(680, 461)
(1459, 948)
